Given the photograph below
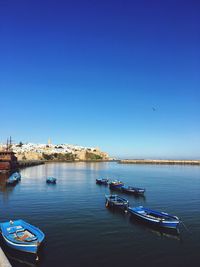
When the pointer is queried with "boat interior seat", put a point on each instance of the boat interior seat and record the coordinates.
(14, 229)
(25, 236)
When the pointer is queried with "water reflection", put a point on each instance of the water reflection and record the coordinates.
(161, 232)
(73, 215)
(20, 258)
(96, 166)
(117, 211)
(22, 262)
(4, 189)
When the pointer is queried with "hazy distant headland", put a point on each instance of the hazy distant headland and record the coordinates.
(59, 152)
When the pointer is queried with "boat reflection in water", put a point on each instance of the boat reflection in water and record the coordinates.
(159, 231)
(20, 258)
(15, 260)
(4, 189)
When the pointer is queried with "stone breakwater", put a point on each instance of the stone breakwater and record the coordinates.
(159, 161)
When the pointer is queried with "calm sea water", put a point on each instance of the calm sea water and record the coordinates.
(81, 231)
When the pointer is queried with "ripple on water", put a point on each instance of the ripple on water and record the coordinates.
(81, 231)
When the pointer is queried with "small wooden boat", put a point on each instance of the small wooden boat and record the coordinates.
(115, 184)
(11, 181)
(116, 201)
(161, 219)
(51, 180)
(102, 181)
(14, 179)
(16, 176)
(22, 236)
(132, 190)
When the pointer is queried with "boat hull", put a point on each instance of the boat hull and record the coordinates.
(16, 176)
(172, 224)
(14, 179)
(51, 182)
(113, 201)
(25, 248)
(22, 236)
(136, 191)
(101, 182)
(11, 182)
(116, 186)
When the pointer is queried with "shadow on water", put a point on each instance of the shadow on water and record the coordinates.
(103, 185)
(5, 190)
(20, 258)
(51, 184)
(162, 232)
(20, 261)
(117, 211)
(138, 197)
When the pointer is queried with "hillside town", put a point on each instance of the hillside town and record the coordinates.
(60, 152)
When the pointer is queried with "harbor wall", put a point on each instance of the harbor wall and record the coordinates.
(29, 163)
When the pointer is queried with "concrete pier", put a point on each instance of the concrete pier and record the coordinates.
(3, 260)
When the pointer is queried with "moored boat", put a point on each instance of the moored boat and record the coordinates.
(103, 181)
(14, 179)
(115, 184)
(16, 176)
(11, 181)
(116, 201)
(160, 219)
(132, 190)
(51, 180)
(22, 236)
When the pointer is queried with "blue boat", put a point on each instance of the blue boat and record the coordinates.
(51, 180)
(132, 190)
(11, 181)
(22, 236)
(160, 219)
(113, 201)
(102, 181)
(16, 176)
(116, 184)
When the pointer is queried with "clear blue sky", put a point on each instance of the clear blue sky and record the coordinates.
(123, 75)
